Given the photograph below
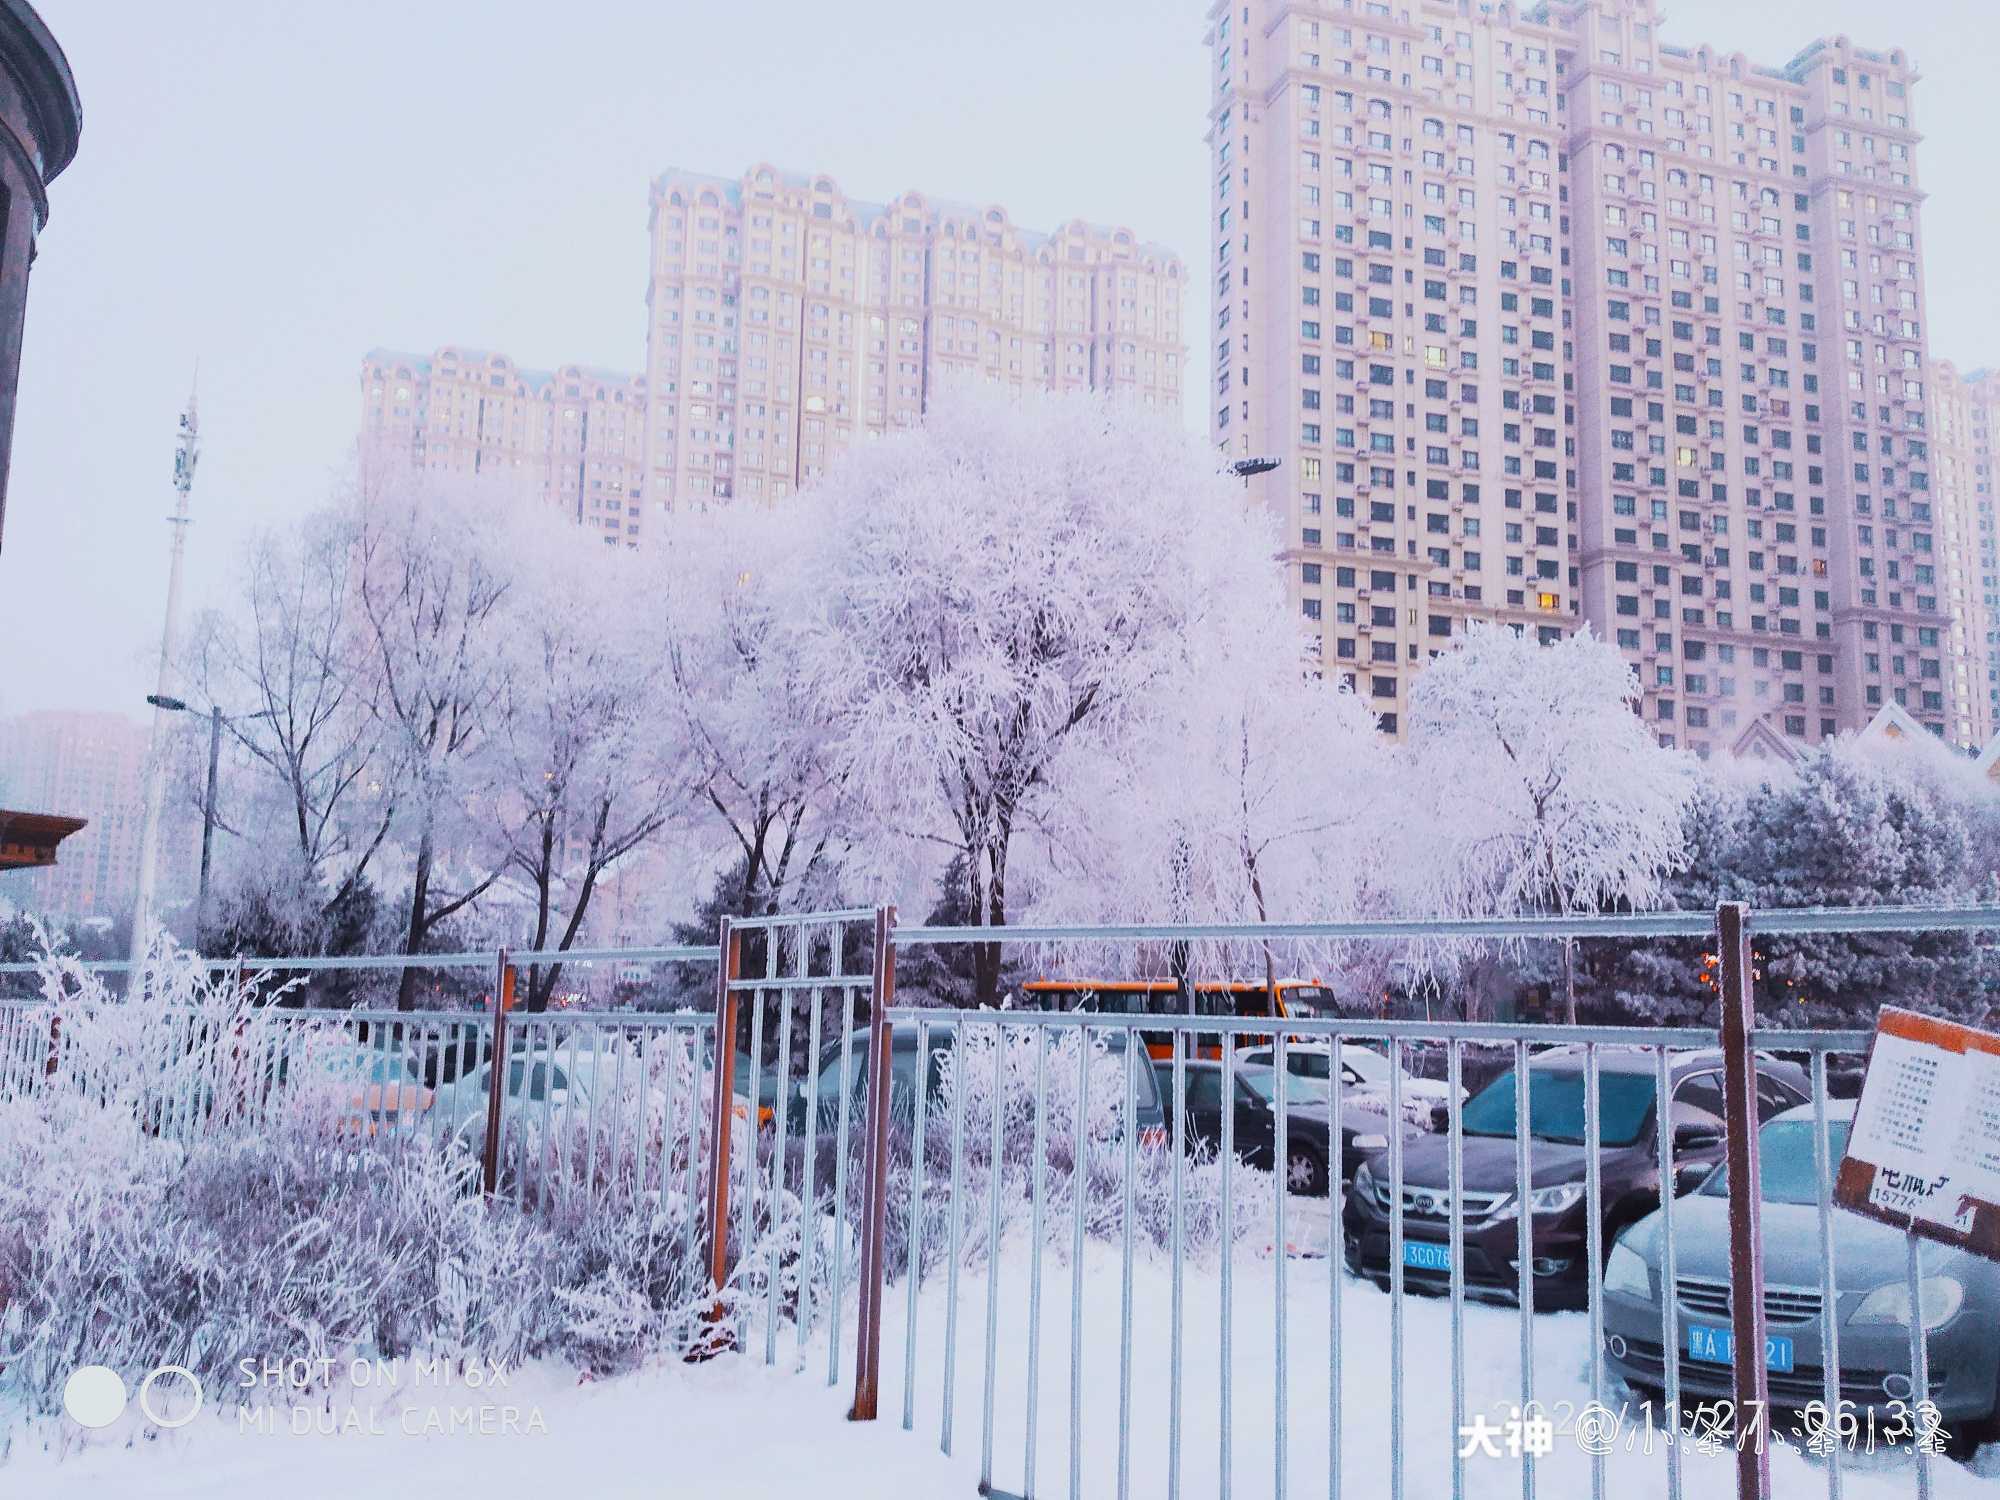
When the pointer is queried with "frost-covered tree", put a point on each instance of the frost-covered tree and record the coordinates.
(582, 759)
(1537, 788)
(287, 663)
(1249, 796)
(741, 706)
(1849, 826)
(994, 595)
(430, 586)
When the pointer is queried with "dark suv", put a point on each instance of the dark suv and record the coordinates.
(1628, 1166)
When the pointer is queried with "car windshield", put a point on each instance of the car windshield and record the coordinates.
(1785, 1161)
(1555, 1106)
(1371, 1067)
(1299, 1089)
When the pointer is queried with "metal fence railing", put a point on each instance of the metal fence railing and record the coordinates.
(1188, 1254)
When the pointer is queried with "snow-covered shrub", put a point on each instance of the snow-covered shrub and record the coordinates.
(187, 1179)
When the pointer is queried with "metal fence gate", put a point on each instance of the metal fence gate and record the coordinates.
(1031, 1216)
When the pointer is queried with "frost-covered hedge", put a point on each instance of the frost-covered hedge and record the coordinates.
(168, 1196)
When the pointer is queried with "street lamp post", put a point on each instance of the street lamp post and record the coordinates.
(216, 719)
(187, 452)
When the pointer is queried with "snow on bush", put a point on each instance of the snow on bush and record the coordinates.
(186, 1180)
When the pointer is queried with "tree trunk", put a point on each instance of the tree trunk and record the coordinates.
(419, 928)
(986, 956)
(1569, 980)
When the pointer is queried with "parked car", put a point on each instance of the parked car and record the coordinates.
(555, 1083)
(851, 1055)
(375, 1088)
(1364, 1078)
(1308, 1122)
(1627, 1164)
(1960, 1297)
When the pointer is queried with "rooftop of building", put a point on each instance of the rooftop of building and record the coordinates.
(866, 213)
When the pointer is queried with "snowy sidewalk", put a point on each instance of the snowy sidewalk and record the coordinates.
(729, 1430)
(733, 1430)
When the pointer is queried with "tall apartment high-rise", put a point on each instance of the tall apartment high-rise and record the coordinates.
(787, 322)
(575, 437)
(94, 765)
(1552, 321)
(1965, 415)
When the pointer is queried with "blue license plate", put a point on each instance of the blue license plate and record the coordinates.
(1422, 1255)
(1716, 1346)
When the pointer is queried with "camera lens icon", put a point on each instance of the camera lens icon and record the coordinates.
(94, 1396)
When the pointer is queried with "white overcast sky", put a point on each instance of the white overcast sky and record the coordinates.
(273, 188)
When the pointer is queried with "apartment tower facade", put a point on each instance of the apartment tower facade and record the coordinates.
(1551, 321)
(787, 322)
(1965, 416)
(574, 437)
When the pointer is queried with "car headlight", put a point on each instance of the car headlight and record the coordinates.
(1942, 1298)
(1626, 1271)
(1554, 1200)
(1364, 1181)
(1371, 1143)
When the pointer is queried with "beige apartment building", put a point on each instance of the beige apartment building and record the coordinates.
(1552, 320)
(787, 322)
(575, 436)
(1965, 415)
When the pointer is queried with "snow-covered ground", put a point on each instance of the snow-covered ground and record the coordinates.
(733, 1427)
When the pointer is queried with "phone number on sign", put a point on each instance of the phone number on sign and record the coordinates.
(1534, 1430)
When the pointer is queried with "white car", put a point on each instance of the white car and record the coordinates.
(1364, 1078)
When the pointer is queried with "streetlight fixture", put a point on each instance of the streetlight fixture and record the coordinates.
(216, 719)
(1243, 468)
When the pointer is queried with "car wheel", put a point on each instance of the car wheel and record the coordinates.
(1305, 1172)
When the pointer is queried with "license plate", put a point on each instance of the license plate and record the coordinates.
(1716, 1346)
(1422, 1255)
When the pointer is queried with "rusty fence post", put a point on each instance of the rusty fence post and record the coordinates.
(503, 1001)
(729, 958)
(1749, 1379)
(875, 1171)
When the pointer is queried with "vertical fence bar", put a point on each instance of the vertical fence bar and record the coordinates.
(782, 1084)
(960, 1066)
(503, 1001)
(849, 1065)
(1177, 1232)
(996, 1147)
(875, 1182)
(1395, 1129)
(729, 956)
(1670, 1293)
(1593, 1207)
(809, 1149)
(1336, 1258)
(1224, 1434)
(1920, 1368)
(1281, 1176)
(1133, 1042)
(1748, 1377)
(1035, 1232)
(1524, 1245)
(1829, 1285)
(1455, 1234)
(913, 1273)
(1079, 1187)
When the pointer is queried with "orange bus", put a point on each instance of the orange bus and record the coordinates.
(1161, 997)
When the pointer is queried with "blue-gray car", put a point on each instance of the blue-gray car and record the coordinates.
(1960, 1297)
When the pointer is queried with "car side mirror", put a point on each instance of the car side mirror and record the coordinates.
(1691, 1135)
